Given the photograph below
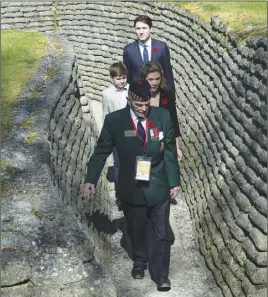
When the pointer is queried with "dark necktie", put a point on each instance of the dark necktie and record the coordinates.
(145, 54)
(141, 132)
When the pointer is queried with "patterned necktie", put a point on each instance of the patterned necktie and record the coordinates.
(141, 132)
(145, 54)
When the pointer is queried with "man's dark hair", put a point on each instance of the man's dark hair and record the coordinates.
(144, 19)
(118, 69)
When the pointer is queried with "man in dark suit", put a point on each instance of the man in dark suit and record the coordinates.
(147, 49)
(148, 175)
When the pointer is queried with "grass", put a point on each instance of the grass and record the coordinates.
(242, 18)
(26, 124)
(38, 213)
(21, 55)
(51, 73)
(4, 164)
(31, 137)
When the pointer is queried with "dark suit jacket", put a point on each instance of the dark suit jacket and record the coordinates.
(160, 53)
(167, 101)
(165, 172)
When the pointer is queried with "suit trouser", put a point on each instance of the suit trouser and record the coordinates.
(137, 221)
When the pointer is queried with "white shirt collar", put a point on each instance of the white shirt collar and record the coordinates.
(148, 43)
(135, 116)
(124, 89)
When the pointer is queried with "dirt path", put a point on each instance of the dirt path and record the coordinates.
(188, 273)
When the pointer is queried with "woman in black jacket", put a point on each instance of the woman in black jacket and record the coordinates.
(162, 96)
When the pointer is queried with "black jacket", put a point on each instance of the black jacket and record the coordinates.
(160, 53)
(167, 101)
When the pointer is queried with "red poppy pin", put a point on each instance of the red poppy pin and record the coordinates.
(164, 101)
(154, 49)
(139, 82)
(150, 124)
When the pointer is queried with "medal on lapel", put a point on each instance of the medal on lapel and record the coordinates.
(154, 133)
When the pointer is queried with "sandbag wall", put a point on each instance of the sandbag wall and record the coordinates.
(221, 104)
(72, 139)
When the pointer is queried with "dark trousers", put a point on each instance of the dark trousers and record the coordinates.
(159, 244)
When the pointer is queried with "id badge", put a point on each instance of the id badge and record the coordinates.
(130, 133)
(143, 168)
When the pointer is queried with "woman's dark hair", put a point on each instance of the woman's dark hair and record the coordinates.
(144, 19)
(150, 67)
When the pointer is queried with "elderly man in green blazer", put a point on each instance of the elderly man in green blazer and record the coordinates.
(149, 175)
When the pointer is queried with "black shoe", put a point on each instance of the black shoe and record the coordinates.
(163, 283)
(137, 272)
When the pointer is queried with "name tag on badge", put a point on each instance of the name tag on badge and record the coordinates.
(130, 133)
(143, 168)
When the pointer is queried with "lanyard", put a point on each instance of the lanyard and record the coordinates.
(135, 128)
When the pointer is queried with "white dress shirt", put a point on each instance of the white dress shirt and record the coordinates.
(113, 99)
(148, 46)
(135, 119)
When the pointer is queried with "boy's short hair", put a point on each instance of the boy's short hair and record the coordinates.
(144, 19)
(118, 69)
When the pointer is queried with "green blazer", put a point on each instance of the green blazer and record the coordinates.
(165, 172)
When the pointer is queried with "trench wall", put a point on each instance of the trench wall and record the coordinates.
(221, 104)
(72, 137)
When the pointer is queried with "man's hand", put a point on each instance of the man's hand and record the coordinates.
(178, 146)
(85, 189)
(179, 154)
(174, 192)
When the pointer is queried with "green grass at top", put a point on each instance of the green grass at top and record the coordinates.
(21, 55)
(237, 15)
